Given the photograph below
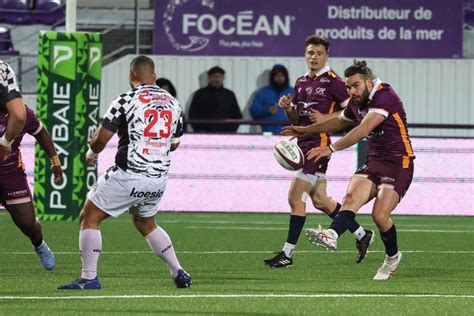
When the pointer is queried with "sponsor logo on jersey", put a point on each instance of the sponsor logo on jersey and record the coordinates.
(376, 133)
(146, 194)
(143, 97)
(325, 80)
(320, 91)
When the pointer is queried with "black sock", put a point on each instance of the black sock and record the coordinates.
(342, 221)
(295, 228)
(353, 225)
(389, 239)
(336, 211)
(36, 242)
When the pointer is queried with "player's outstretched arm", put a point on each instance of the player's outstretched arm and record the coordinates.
(368, 124)
(332, 125)
(44, 140)
(371, 121)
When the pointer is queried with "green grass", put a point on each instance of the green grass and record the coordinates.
(224, 253)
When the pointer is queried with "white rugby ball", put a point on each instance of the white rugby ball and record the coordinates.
(288, 155)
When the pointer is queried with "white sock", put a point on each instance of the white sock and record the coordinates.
(161, 245)
(392, 259)
(42, 246)
(359, 233)
(288, 249)
(90, 244)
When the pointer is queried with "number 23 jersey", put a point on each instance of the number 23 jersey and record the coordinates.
(148, 120)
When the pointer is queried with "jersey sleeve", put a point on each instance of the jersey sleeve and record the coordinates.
(179, 128)
(347, 114)
(382, 104)
(8, 84)
(32, 125)
(338, 93)
(116, 112)
(294, 99)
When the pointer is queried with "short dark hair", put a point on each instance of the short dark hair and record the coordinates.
(317, 40)
(359, 67)
(161, 82)
(140, 61)
(215, 70)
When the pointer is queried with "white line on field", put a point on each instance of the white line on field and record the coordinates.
(226, 296)
(286, 228)
(276, 223)
(234, 252)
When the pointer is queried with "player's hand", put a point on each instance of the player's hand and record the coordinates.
(297, 131)
(5, 151)
(315, 116)
(274, 109)
(318, 153)
(285, 101)
(91, 160)
(58, 173)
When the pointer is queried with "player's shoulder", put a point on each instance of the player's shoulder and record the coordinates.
(333, 77)
(385, 94)
(301, 79)
(5, 68)
(29, 111)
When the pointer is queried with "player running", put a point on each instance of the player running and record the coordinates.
(15, 193)
(319, 91)
(378, 113)
(149, 122)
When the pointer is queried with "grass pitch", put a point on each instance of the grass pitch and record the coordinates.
(224, 254)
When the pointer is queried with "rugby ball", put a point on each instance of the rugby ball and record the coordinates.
(288, 155)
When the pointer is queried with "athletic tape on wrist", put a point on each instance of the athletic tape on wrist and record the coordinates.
(5, 142)
(91, 154)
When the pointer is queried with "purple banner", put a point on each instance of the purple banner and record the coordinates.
(365, 28)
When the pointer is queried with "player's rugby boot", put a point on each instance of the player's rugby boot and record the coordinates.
(82, 284)
(326, 238)
(363, 244)
(46, 256)
(183, 280)
(279, 261)
(389, 266)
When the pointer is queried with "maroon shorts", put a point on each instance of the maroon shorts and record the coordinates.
(14, 188)
(314, 167)
(390, 175)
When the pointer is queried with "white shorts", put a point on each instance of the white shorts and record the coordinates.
(117, 191)
(311, 178)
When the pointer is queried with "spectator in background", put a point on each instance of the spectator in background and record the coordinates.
(165, 84)
(265, 104)
(214, 102)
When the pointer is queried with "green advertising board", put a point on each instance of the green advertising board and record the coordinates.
(69, 73)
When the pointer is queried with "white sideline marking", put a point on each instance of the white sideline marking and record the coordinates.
(236, 252)
(286, 228)
(158, 296)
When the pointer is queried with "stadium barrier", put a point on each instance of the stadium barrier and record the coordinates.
(238, 173)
